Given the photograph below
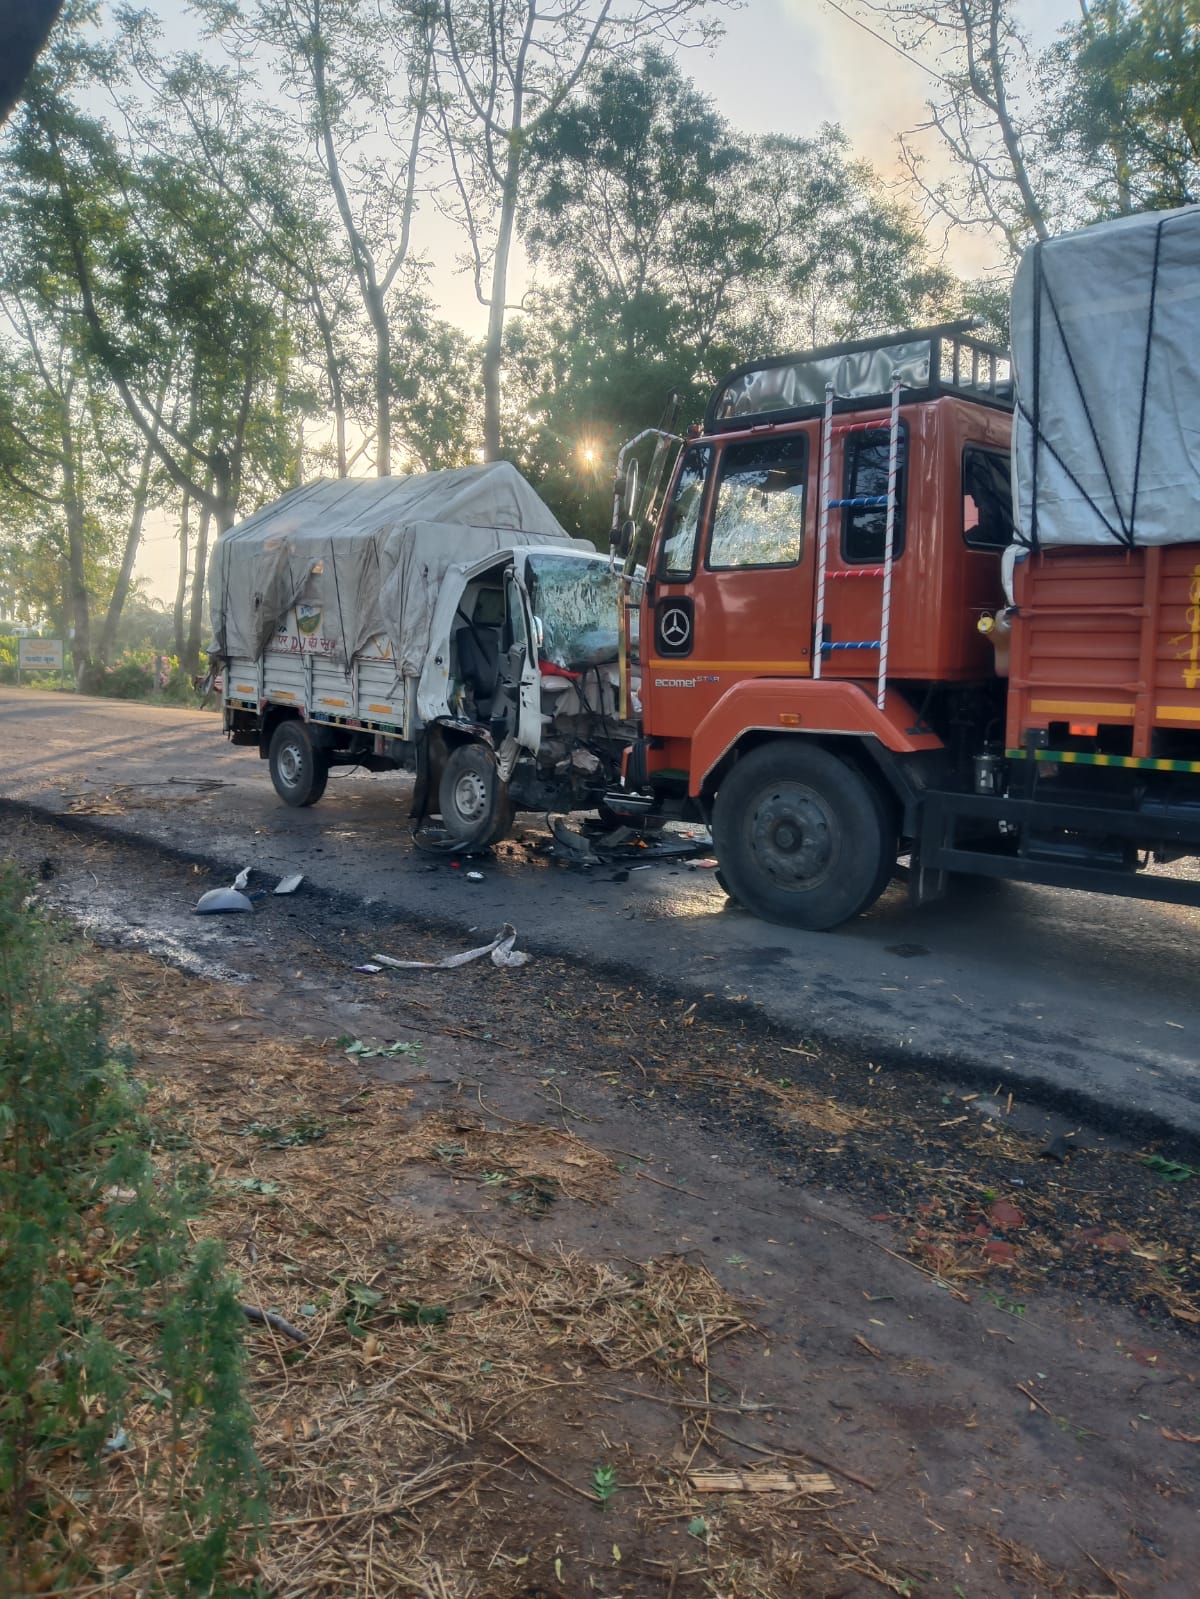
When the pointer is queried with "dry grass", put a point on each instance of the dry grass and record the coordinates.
(437, 1431)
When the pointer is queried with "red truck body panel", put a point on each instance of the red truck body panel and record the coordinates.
(1108, 639)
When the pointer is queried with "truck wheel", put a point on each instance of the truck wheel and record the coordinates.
(475, 805)
(802, 838)
(299, 770)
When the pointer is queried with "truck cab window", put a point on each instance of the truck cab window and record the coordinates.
(679, 546)
(865, 476)
(759, 515)
(987, 499)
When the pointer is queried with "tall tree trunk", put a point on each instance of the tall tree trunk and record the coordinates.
(383, 383)
(181, 581)
(493, 350)
(190, 659)
(133, 541)
(77, 597)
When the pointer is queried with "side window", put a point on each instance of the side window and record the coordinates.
(987, 499)
(759, 514)
(679, 547)
(865, 477)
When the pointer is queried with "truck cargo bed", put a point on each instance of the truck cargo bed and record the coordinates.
(1106, 653)
(366, 696)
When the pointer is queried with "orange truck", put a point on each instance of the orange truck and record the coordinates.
(908, 599)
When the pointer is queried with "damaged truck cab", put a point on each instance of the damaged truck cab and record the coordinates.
(443, 623)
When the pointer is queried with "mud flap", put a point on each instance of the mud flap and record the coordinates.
(423, 787)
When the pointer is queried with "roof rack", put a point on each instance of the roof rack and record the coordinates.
(930, 361)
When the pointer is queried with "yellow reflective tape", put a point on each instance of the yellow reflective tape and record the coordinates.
(1177, 713)
(1079, 708)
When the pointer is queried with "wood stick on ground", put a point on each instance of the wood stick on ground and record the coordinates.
(545, 1470)
(702, 1404)
(674, 1187)
(268, 1318)
(956, 1293)
(1034, 1400)
(804, 1454)
(762, 1482)
(1119, 1587)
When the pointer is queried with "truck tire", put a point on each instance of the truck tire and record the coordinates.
(299, 770)
(475, 805)
(802, 838)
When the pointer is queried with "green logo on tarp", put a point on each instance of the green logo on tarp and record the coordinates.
(308, 618)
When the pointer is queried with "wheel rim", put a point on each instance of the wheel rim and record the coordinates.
(794, 836)
(470, 797)
(291, 765)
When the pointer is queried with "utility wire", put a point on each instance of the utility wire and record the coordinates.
(890, 43)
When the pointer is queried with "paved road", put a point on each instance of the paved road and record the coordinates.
(1071, 996)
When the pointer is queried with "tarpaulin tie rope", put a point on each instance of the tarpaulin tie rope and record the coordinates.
(1137, 466)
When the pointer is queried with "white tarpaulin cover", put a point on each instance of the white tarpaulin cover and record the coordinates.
(366, 556)
(1106, 356)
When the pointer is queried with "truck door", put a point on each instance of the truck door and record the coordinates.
(733, 586)
(524, 661)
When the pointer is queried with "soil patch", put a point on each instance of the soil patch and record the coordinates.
(556, 1245)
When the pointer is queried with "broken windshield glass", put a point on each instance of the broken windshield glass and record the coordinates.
(576, 599)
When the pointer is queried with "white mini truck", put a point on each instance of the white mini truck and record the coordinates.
(443, 623)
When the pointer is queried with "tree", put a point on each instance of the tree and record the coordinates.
(1128, 103)
(361, 80)
(504, 69)
(681, 247)
(143, 257)
(986, 115)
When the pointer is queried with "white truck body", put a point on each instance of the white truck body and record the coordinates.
(395, 637)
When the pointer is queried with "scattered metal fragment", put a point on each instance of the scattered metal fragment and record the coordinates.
(500, 949)
(289, 885)
(222, 899)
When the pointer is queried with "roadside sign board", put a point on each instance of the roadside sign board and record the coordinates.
(40, 654)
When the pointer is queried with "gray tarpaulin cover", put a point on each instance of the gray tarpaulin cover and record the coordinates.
(1106, 351)
(364, 556)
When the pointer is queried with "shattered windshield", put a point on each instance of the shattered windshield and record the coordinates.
(576, 599)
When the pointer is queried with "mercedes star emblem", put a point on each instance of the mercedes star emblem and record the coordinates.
(675, 628)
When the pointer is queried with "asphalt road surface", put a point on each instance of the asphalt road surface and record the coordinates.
(1072, 999)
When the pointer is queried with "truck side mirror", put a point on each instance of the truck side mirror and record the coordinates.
(623, 537)
(631, 488)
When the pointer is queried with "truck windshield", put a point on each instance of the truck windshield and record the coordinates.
(576, 599)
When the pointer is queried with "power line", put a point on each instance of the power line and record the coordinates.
(890, 43)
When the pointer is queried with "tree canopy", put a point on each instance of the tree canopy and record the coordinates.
(217, 264)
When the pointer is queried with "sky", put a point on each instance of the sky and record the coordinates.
(782, 66)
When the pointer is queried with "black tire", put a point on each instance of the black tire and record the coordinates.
(801, 836)
(299, 770)
(475, 804)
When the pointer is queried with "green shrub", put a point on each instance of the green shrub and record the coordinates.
(129, 679)
(78, 1340)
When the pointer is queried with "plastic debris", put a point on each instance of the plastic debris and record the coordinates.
(368, 966)
(474, 877)
(242, 878)
(573, 843)
(119, 1440)
(289, 885)
(500, 949)
(222, 899)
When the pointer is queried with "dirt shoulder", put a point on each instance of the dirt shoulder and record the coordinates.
(564, 1244)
